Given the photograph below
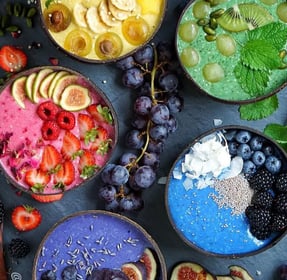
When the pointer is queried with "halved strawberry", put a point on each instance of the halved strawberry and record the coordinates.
(12, 59)
(71, 145)
(47, 198)
(51, 159)
(86, 128)
(102, 143)
(37, 179)
(100, 113)
(65, 175)
(87, 164)
(25, 217)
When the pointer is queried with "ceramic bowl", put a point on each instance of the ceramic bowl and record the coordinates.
(35, 127)
(211, 189)
(224, 57)
(101, 31)
(85, 240)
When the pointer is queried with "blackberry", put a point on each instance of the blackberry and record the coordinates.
(18, 248)
(262, 199)
(281, 183)
(261, 233)
(279, 222)
(262, 180)
(48, 275)
(258, 217)
(280, 203)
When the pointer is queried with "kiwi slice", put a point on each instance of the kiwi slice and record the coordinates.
(244, 16)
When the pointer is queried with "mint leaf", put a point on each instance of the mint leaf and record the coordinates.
(260, 55)
(260, 109)
(48, 2)
(275, 33)
(251, 81)
(277, 131)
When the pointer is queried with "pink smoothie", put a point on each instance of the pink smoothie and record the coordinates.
(25, 128)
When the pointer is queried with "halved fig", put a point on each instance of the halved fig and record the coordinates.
(148, 259)
(19, 91)
(239, 273)
(134, 270)
(190, 271)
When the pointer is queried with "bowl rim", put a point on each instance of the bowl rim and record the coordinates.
(155, 246)
(103, 96)
(188, 76)
(103, 61)
(171, 220)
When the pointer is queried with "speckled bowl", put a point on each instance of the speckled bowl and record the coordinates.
(22, 140)
(230, 89)
(95, 239)
(104, 25)
(203, 211)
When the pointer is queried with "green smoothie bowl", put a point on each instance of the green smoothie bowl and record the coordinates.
(234, 51)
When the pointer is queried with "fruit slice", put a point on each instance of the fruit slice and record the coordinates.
(106, 15)
(61, 84)
(75, 98)
(239, 273)
(38, 80)
(193, 270)
(79, 14)
(47, 198)
(29, 85)
(54, 81)
(19, 91)
(125, 5)
(117, 13)
(94, 21)
(134, 270)
(44, 86)
(223, 277)
(149, 261)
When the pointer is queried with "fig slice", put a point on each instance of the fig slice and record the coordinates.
(190, 271)
(19, 91)
(148, 259)
(239, 273)
(134, 270)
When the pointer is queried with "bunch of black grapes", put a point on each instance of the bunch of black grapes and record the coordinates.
(153, 73)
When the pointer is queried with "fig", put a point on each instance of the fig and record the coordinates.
(134, 270)
(18, 91)
(38, 80)
(45, 84)
(190, 271)
(29, 85)
(239, 273)
(149, 261)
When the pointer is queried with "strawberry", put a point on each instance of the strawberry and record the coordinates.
(51, 159)
(86, 128)
(25, 217)
(87, 164)
(102, 143)
(37, 179)
(12, 59)
(99, 113)
(47, 198)
(65, 175)
(66, 120)
(50, 130)
(71, 145)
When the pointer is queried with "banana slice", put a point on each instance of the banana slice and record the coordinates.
(79, 13)
(106, 16)
(117, 13)
(125, 5)
(94, 21)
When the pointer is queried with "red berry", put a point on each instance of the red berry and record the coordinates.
(50, 130)
(47, 110)
(66, 120)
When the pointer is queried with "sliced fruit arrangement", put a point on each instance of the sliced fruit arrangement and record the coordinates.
(195, 271)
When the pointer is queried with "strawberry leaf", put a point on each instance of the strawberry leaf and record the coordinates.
(105, 113)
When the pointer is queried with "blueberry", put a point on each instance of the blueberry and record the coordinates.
(243, 136)
(258, 158)
(232, 146)
(230, 134)
(249, 167)
(244, 151)
(48, 275)
(273, 164)
(268, 150)
(256, 143)
(69, 273)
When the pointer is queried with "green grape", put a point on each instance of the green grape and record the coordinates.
(282, 11)
(213, 72)
(188, 31)
(189, 57)
(201, 9)
(225, 44)
(269, 2)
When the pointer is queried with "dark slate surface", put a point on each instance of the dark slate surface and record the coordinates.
(197, 117)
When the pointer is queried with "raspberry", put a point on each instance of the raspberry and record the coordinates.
(65, 120)
(18, 248)
(262, 199)
(263, 180)
(47, 110)
(281, 183)
(280, 203)
(279, 222)
(50, 130)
